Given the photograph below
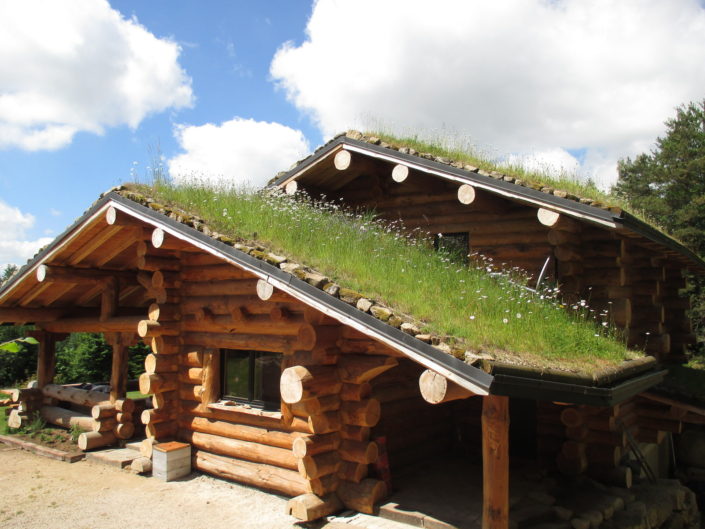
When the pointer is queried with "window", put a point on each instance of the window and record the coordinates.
(456, 245)
(252, 377)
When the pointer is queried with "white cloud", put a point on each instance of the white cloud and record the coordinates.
(521, 75)
(238, 152)
(14, 246)
(78, 65)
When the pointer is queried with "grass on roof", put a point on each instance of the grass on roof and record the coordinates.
(488, 314)
(688, 380)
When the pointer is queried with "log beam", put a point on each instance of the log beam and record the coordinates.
(437, 389)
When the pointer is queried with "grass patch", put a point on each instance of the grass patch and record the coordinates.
(4, 430)
(136, 395)
(460, 150)
(490, 314)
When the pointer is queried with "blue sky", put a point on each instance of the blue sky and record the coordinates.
(237, 90)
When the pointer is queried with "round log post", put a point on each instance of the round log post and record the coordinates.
(495, 462)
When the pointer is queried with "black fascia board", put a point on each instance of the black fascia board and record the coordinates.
(536, 389)
(624, 218)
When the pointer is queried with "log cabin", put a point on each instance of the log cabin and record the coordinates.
(280, 378)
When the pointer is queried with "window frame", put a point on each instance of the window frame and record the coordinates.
(250, 400)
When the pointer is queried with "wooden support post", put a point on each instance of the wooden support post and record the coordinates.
(118, 372)
(495, 462)
(46, 359)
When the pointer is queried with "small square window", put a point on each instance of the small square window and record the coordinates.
(252, 377)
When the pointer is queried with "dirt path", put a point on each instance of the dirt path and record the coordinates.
(40, 493)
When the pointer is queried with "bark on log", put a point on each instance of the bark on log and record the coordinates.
(161, 430)
(316, 406)
(356, 392)
(91, 440)
(164, 313)
(211, 376)
(362, 496)
(437, 389)
(309, 507)
(254, 452)
(263, 476)
(324, 422)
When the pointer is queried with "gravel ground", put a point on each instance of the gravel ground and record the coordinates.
(42, 493)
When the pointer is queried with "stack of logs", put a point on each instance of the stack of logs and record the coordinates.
(595, 440)
(103, 422)
(329, 392)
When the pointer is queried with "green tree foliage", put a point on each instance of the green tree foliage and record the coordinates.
(19, 366)
(668, 184)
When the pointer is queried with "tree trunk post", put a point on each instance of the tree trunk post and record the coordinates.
(118, 370)
(495, 461)
(46, 358)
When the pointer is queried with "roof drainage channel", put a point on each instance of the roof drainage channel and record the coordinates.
(531, 388)
(460, 369)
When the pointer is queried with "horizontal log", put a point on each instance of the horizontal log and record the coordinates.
(214, 272)
(358, 369)
(299, 383)
(254, 452)
(316, 466)
(151, 416)
(310, 445)
(159, 363)
(161, 401)
(114, 324)
(84, 397)
(153, 263)
(191, 392)
(246, 324)
(242, 432)
(165, 241)
(437, 389)
(236, 287)
(324, 422)
(149, 328)
(363, 413)
(124, 430)
(354, 472)
(263, 476)
(309, 507)
(359, 451)
(91, 440)
(23, 315)
(165, 345)
(161, 430)
(67, 418)
(101, 411)
(225, 304)
(362, 496)
(259, 342)
(157, 383)
(164, 313)
(310, 337)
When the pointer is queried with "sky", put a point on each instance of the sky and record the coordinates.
(95, 93)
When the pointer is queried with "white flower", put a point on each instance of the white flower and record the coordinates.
(505, 320)
(519, 315)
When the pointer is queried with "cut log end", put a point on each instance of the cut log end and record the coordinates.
(309, 507)
(400, 173)
(437, 389)
(466, 194)
(264, 290)
(548, 217)
(291, 187)
(111, 216)
(342, 160)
